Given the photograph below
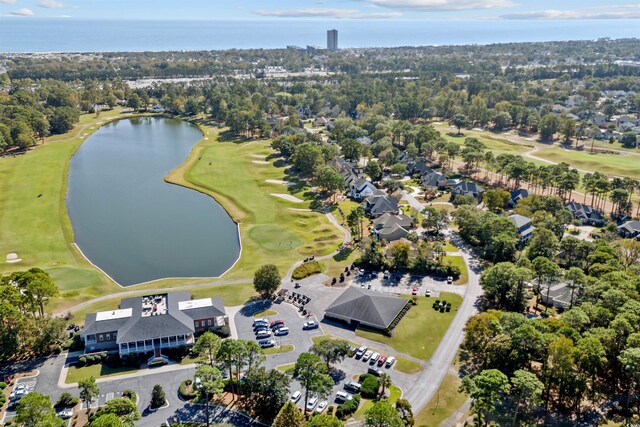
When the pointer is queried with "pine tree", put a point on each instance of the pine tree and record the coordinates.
(289, 416)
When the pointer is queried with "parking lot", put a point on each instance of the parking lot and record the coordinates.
(346, 371)
(29, 385)
(405, 283)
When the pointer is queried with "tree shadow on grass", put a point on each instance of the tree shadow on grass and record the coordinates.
(343, 255)
(228, 136)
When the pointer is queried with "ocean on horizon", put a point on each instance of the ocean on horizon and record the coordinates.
(19, 34)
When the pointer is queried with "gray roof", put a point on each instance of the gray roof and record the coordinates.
(379, 204)
(174, 322)
(91, 326)
(214, 310)
(368, 307)
(466, 187)
(388, 220)
(630, 227)
(520, 220)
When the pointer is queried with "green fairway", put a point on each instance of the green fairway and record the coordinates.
(608, 164)
(493, 142)
(420, 330)
(33, 215)
(275, 238)
(273, 230)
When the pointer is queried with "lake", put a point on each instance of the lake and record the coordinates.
(133, 225)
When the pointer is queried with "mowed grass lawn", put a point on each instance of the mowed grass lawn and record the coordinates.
(609, 164)
(459, 262)
(273, 230)
(493, 143)
(421, 329)
(76, 374)
(38, 229)
(444, 405)
(395, 393)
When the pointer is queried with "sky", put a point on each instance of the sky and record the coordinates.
(322, 9)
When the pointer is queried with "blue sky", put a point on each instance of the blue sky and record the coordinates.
(323, 9)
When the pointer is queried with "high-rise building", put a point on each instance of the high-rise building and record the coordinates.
(332, 39)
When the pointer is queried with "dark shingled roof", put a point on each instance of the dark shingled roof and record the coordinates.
(214, 310)
(371, 308)
(92, 327)
(174, 322)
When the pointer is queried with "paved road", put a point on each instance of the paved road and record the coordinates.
(428, 382)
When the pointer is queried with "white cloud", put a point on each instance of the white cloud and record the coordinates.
(8, 1)
(51, 4)
(610, 12)
(443, 5)
(326, 13)
(23, 12)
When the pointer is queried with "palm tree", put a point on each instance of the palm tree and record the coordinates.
(385, 382)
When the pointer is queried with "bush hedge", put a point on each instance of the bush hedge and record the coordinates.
(185, 391)
(223, 331)
(370, 386)
(305, 270)
(347, 408)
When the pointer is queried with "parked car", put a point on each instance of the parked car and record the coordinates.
(281, 331)
(353, 386)
(310, 325)
(266, 343)
(18, 394)
(386, 275)
(367, 355)
(382, 360)
(427, 293)
(277, 324)
(360, 352)
(295, 396)
(322, 406)
(260, 327)
(414, 291)
(343, 396)
(449, 280)
(65, 414)
(260, 320)
(312, 402)
(374, 358)
(390, 362)
(374, 371)
(263, 334)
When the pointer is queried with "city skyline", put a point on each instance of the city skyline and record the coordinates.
(326, 10)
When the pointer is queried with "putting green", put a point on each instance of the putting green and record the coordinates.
(275, 238)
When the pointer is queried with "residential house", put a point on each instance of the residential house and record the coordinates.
(320, 122)
(361, 189)
(630, 229)
(516, 196)
(392, 227)
(151, 323)
(467, 188)
(586, 214)
(420, 168)
(436, 180)
(380, 203)
(523, 224)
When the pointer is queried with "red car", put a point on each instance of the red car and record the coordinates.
(414, 291)
(277, 323)
(382, 360)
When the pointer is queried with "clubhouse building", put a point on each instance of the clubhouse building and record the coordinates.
(361, 307)
(151, 323)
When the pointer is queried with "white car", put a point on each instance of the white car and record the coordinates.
(282, 331)
(367, 355)
(374, 358)
(266, 343)
(260, 320)
(322, 406)
(263, 334)
(390, 362)
(343, 396)
(295, 396)
(18, 394)
(65, 414)
(360, 352)
(312, 403)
